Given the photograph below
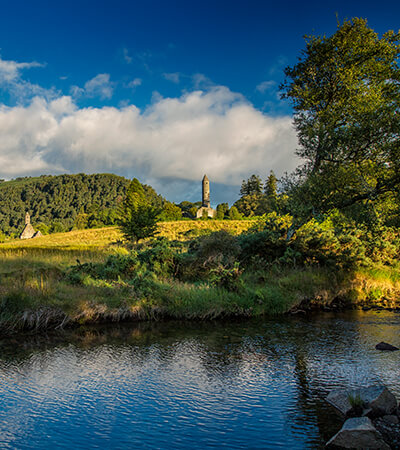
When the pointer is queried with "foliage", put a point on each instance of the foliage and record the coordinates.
(70, 201)
(252, 205)
(255, 202)
(234, 214)
(162, 257)
(269, 244)
(206, 277)
(345, 91)
(189, 209)
(215, 251)
(252, 186)
(222, 211)
(137, 216)
(43, 228)
(170, 212)
(227, 277)
(271, 191)
(204, 215)
(324, 244)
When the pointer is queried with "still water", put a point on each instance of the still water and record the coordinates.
(241, 384)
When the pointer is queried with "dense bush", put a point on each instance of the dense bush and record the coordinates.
(323, 244)
(268, 244)
(331, 240)
(162, 257)
(224, 260)
(219, 250)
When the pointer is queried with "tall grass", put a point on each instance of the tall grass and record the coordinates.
(36, 293)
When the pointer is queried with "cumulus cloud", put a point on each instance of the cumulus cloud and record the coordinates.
(213, 131)
(20, 89)
(10, 70)
(99, 86)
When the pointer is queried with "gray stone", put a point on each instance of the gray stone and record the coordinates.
(391, 418)
(376, 398)
(385, 346)
(358, 433)
(205, 208)
(28, 232)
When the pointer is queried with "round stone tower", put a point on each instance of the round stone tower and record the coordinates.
(206, 192)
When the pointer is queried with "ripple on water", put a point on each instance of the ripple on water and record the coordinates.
(257, 384)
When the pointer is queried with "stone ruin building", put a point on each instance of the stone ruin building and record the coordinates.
(28, 231)
(205, 203)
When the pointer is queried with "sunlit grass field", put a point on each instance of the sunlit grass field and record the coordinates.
(101, 238)
(36, 293)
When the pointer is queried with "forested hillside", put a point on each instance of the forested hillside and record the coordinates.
(63, 202)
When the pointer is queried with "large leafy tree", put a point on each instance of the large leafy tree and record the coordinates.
(138, 217)
(345, 91)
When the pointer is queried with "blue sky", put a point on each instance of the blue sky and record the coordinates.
(161, 90)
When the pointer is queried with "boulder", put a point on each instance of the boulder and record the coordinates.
(358, 433)
(385, 346)
(377, 399)
(390, 418)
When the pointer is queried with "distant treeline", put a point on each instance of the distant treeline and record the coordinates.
(60, 203)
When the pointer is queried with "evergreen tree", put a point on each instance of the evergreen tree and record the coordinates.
(252, 186)
(138, 217)
(271, 191)
(75, 201)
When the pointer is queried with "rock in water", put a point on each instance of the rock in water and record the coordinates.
(385, 346)
(378, 399)
(358, 433)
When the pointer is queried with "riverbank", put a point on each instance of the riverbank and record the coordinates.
(46, 285)
(44, 296)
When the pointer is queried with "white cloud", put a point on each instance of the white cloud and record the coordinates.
(173, 77)
(99, 86)
(266, 86)
(201, 81)
(10, 70)
(135, 83)
(19, 89)
(214, 131)
(127, 58)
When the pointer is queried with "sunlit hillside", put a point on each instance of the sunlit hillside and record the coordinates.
(104, 237)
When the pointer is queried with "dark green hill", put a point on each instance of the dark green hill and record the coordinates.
(59, 203)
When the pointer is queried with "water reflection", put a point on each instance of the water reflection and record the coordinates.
(257, 384)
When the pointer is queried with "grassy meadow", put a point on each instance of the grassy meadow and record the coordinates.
(88, 276)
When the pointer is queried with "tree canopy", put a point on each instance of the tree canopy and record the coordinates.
(345, 91)
(59, 203)
(255, 202)
(137, 215)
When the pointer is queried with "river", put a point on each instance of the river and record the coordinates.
(256, 383)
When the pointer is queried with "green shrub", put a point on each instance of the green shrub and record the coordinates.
(219, 249)
(324, 244)
(271, 243)
(227, 278)
(162, 257)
